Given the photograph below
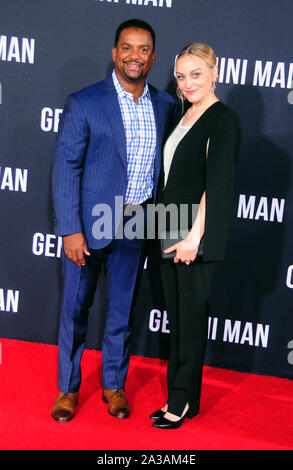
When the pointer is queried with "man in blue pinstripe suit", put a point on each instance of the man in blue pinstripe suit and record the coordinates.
(108, 146)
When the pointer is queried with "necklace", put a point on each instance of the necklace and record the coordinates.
(194, 113)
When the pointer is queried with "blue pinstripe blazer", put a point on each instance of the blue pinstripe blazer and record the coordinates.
(90, 161)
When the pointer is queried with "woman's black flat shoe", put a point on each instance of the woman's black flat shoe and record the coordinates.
(163, 423)
(157, 414)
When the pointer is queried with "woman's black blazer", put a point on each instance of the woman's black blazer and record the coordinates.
(193, 171)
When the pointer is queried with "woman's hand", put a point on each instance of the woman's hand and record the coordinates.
(186, 251)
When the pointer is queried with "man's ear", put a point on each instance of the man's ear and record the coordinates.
(114, 52)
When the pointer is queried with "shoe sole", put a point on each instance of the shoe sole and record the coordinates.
(62, 420)
(119, 416)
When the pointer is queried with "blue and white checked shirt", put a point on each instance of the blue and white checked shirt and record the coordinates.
(141, 138)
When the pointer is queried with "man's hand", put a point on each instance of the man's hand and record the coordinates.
(75, 247)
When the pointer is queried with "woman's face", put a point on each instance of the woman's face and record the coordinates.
(195, 78)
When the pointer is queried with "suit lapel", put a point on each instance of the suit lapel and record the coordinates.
(112, 110)
(160, 126)
(158, 115)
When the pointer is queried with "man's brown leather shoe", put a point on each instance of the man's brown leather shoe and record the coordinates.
(118, 405)
(63, 408)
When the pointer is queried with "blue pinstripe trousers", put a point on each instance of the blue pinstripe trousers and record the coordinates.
(122, 260)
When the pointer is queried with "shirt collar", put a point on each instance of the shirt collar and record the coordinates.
(122, 93)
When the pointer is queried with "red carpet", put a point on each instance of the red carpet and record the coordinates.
(238, 412)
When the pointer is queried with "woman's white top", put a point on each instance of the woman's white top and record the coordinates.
(171, 145)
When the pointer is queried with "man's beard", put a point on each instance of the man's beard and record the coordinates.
(131, 77)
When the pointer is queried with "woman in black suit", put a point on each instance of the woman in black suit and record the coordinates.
(198, 171)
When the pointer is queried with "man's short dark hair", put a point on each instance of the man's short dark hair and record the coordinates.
(135, 23)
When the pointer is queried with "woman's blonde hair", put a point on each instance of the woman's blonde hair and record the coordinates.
(202, 50)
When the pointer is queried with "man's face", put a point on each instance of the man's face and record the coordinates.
(134, 55)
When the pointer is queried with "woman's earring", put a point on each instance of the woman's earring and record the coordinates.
(181, 98)
(180, 94)
(213, 87)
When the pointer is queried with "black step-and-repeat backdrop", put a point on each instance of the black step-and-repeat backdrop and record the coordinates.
(49, 49)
